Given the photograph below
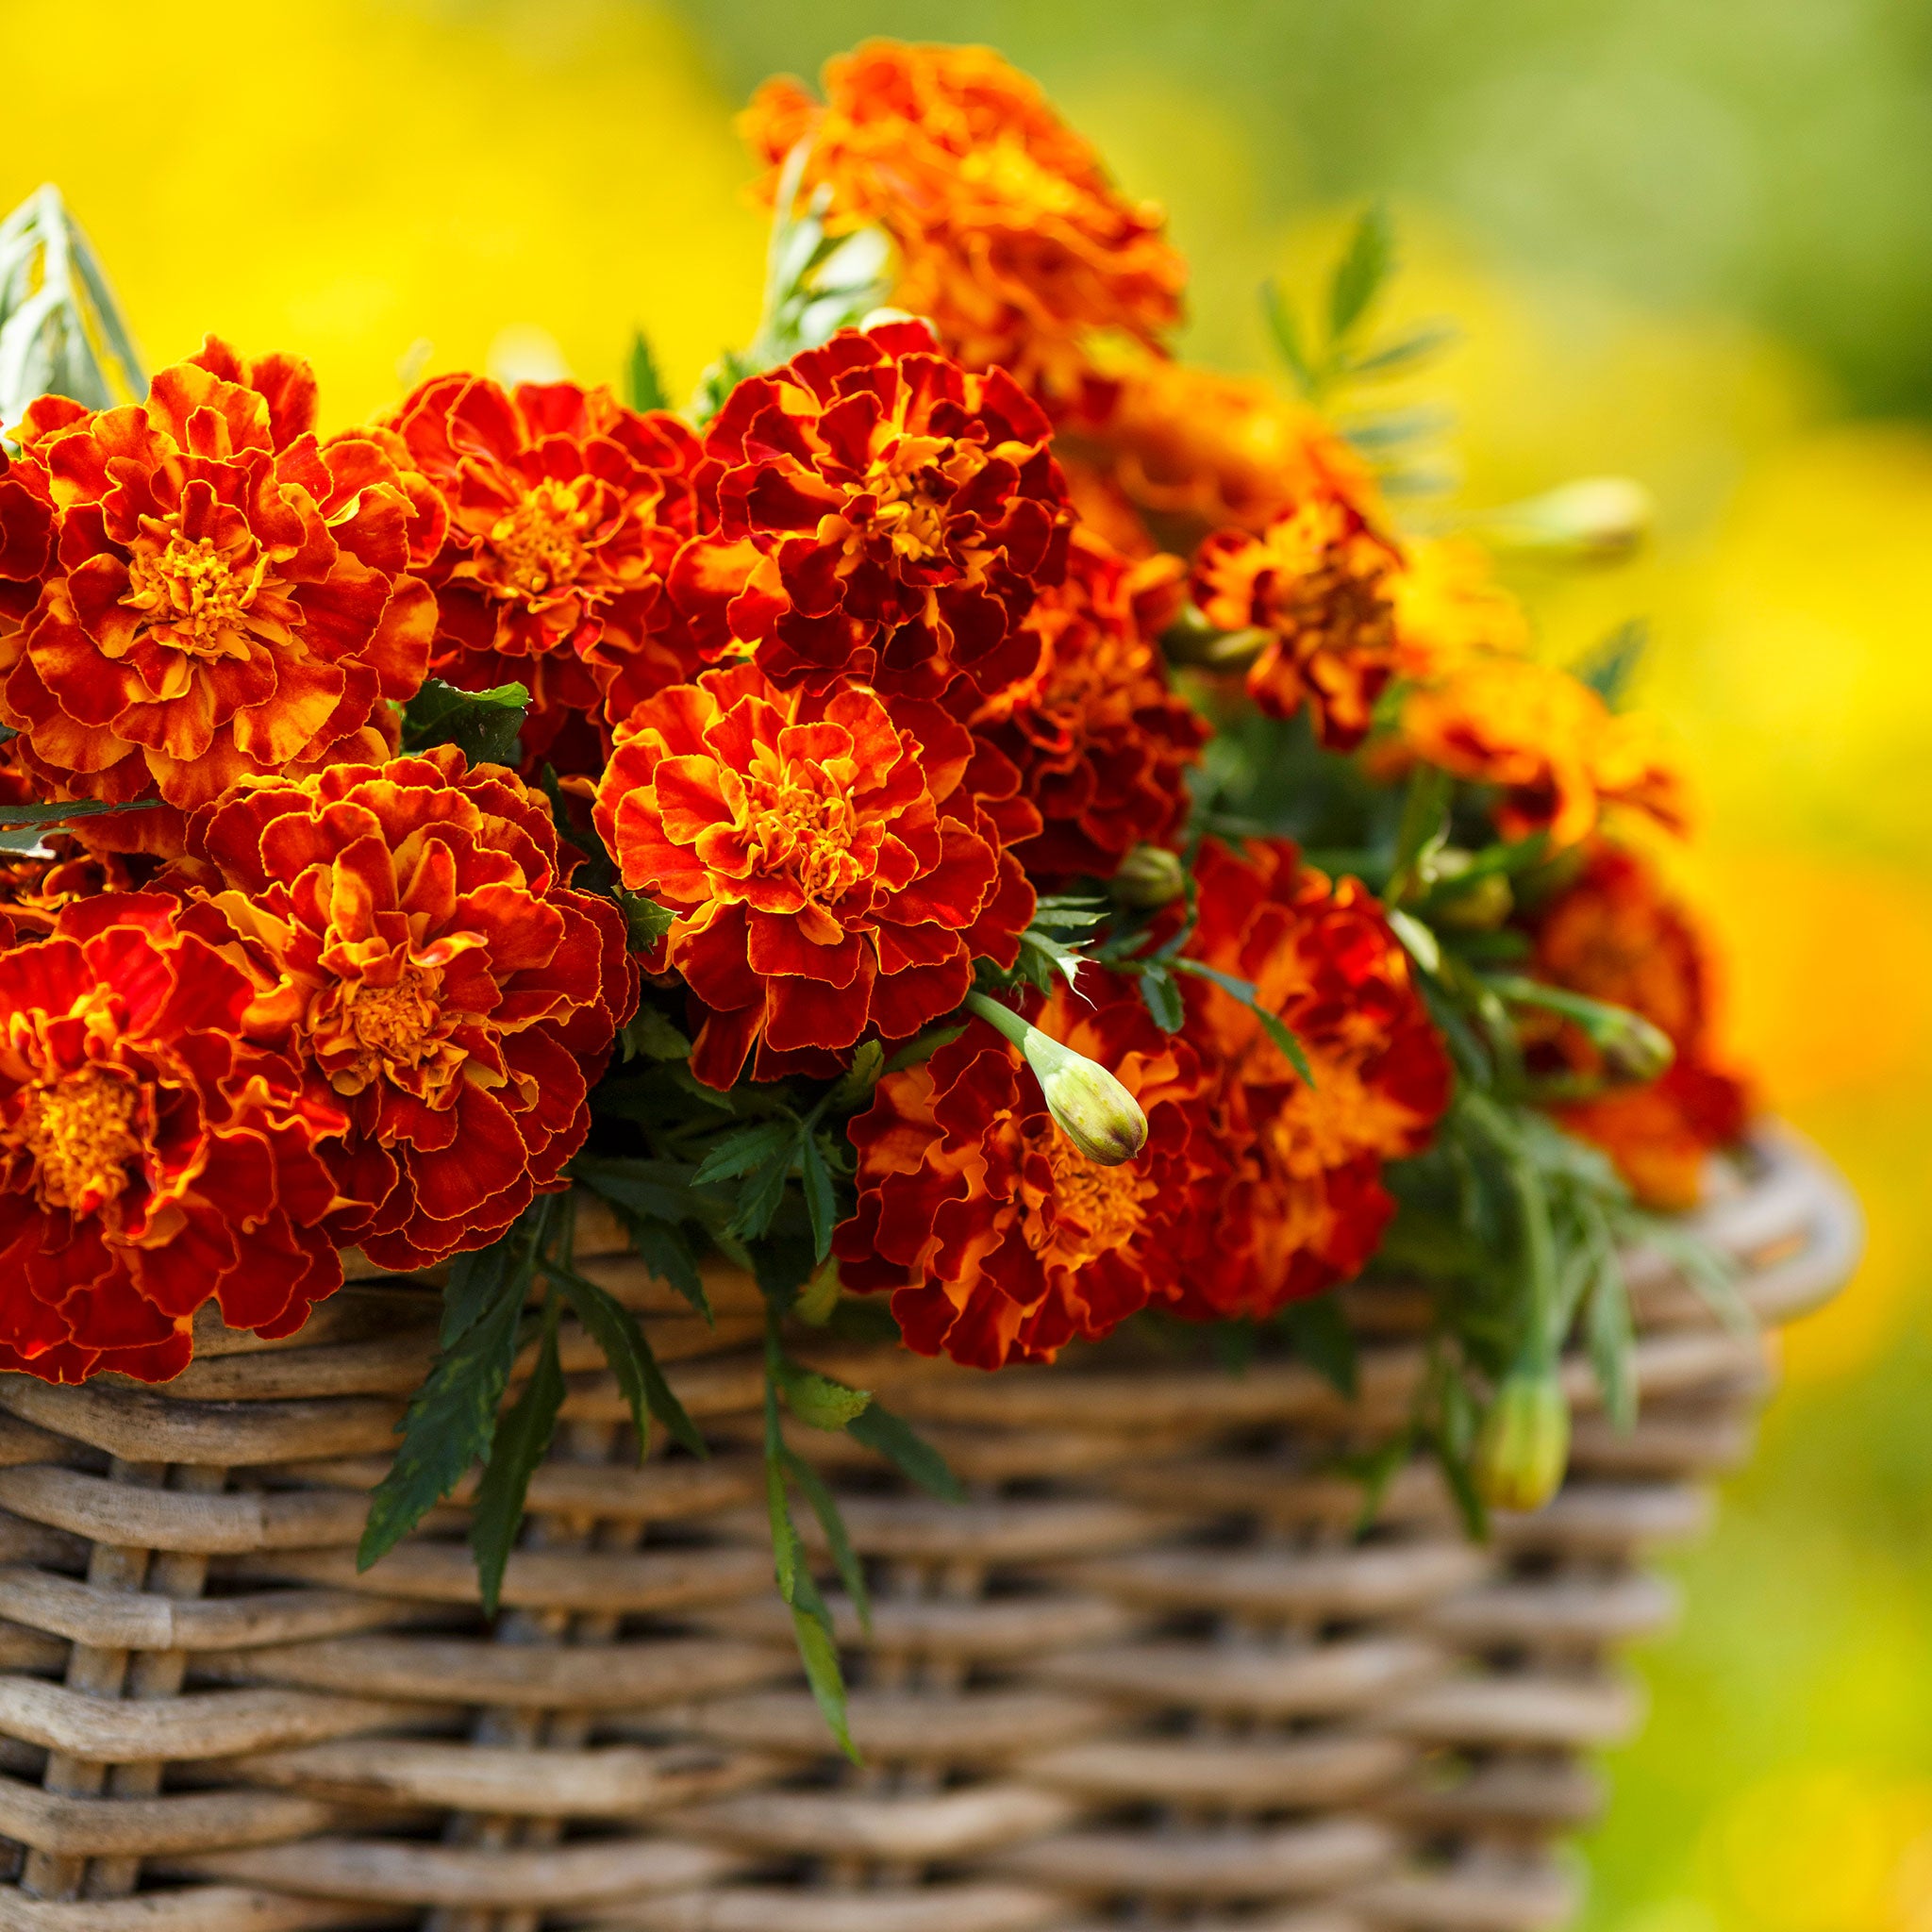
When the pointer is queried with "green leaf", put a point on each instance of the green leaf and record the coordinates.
(1288, 338)
(824, 1505)
(651, 1034)
(1318, 1333)
(895, 1439)
(854, 1086)
(663, 1249)
(1365, 266)
(819, 1654)
(1418, 940)
(762, 1194)
(645, 921)
(482, 724)
(1608, 1334)
(645, 386)
(477, 1279)
(817, 1399)
(1610, 667)
(522, 1440)
(450, 1423)
(746, 1148)
(1375, 1470)
(1403, 353)
(1422, 831)
(821, 1202)
(58, 811)
(1271, 1024)
(1162, 998)
(619, 1334)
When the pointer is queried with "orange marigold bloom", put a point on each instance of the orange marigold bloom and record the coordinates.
(151, 1157)
(221, 595)
(998, 1239)
(1448, 608)
(1102, 743)
(1317, 582)
(1304, 1206)
(883, 516)
(1205, 451)
(413, 927)
(564, 509)
(1614, 934)
(1010, 235)
(833, 875)
(1555, 751)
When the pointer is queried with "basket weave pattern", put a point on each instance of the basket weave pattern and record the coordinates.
(1149, 1673)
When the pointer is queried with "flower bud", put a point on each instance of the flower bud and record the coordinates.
(1089, 1106)
(1595, 520)
(1634, 1049)
(1481, 905)
(1523, 1445)
(1150, 876)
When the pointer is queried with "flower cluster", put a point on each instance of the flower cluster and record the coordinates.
(1009, 234)
(918, 751)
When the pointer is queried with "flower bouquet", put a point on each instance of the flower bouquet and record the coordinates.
(988, 832)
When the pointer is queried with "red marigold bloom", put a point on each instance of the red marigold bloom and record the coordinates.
(1010, 235)
(564, 511)
(999, 1241)
(151, 1157)
(1102, 743)
(833, 875)
(884, 517)
(1555, 751)
(413, 927)
(1317, 583)
(218, 595)
(1304, 1206)
(1614, 934)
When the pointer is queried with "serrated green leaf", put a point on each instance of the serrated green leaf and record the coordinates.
(819, 1654)
(824, 1505)
(644, 384)
(746, 1148)
(854, 1086)
(761, 1195)
(1358, 277)
(450, 1423)
(58, 811)
(477, 1280)
(821, 1201)
(645, 922)
(523, 1440)
(1318, 1333)
(482, 724)
(618, 1333)
(901, 1444)
(1162, 998)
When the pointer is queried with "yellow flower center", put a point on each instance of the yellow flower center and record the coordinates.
(539, 545)
(1092, 1210)
(79, 1133)
(398, 1024)
(196, 592)
(805, 830)
(908, 512)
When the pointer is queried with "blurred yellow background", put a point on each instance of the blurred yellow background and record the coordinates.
(391, 185)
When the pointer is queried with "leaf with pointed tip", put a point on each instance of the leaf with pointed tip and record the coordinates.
(900, 1443)
(522, 1440)
(482, 724)
(1365, 266)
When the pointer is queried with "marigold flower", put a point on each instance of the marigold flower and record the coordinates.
(1448, 608)
(151, 1157)
(1010, 235)
(884, 517)
(35, 891)
(1316, 582)
(1100, 742)
(222, 595)
(564, 509)
(1202, 451)
(998, 1239)
(411, 927)
(1555, 751)
(1614, 935)
(832, 874)
(1304, 1206)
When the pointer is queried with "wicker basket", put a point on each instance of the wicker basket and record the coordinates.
(1148, 1675)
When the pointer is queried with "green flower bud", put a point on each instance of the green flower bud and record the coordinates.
(1595, 520)
(1149, 876)
(1089, 1106)
(1635, 1049)
(1523, 1445)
